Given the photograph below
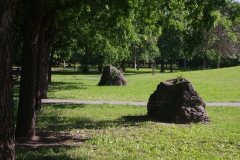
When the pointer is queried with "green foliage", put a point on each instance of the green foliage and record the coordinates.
(222, 40)
(145, 29)
(181, 74)
(101, 31)
(200, 19)
(117, 30)
(170, 42)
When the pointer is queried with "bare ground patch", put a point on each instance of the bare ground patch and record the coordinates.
(49, 138)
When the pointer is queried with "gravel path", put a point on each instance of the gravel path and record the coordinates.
(53, 101)
(129, 103)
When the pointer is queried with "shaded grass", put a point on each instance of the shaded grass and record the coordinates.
(125, 132)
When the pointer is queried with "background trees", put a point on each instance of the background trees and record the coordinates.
(204, 33)
(220, 42)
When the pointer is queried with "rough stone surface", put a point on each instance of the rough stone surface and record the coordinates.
(176, 101)
(112, 77)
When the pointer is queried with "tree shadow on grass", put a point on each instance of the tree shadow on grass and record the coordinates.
(50, 138)
(58, 86)
(145, 118)
(40, 154)
(48, 145)
(63, 72)
(157, 71)
(55, 140)
(58, 123)
(67, 106)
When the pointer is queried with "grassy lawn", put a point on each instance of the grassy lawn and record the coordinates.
(217, 85)
(66, 131)
(125, 132)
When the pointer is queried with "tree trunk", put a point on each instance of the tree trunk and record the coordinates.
(185, 64)
(50, 67)
(100, 68)
(43, 77)
(7, 144)
(47, 33)
(162, 65)
(123, 65)
(218, 64)
(46, 70)
(135, 61)
(29, 95)
(204, 61)
(171, 63)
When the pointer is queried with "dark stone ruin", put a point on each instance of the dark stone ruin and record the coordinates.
(112, 77)
(176, 101)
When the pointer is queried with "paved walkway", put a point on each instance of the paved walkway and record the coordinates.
(128, 103)
(53, 101)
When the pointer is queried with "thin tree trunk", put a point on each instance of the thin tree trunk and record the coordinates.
(162, 65)
(204, 61)
(7, 144)
(48, 39)
(218, 64)
(123, 65)
(45, 74)
(185, 64)
(138, 64)
(43, 77)
(203, 66)
(50, 66)
(171, 63)
(135, 61)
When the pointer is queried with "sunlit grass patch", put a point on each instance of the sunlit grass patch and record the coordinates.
(217, 85)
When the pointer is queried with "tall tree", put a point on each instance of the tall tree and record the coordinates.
(221, 41)
(7, 144)
(145, 15)
(102, 31)
(29, 96)
(39, 32)
(183, 24)
(170, 44)
(39, 15)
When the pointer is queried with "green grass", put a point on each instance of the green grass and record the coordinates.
(217, 85)
(125, 132)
